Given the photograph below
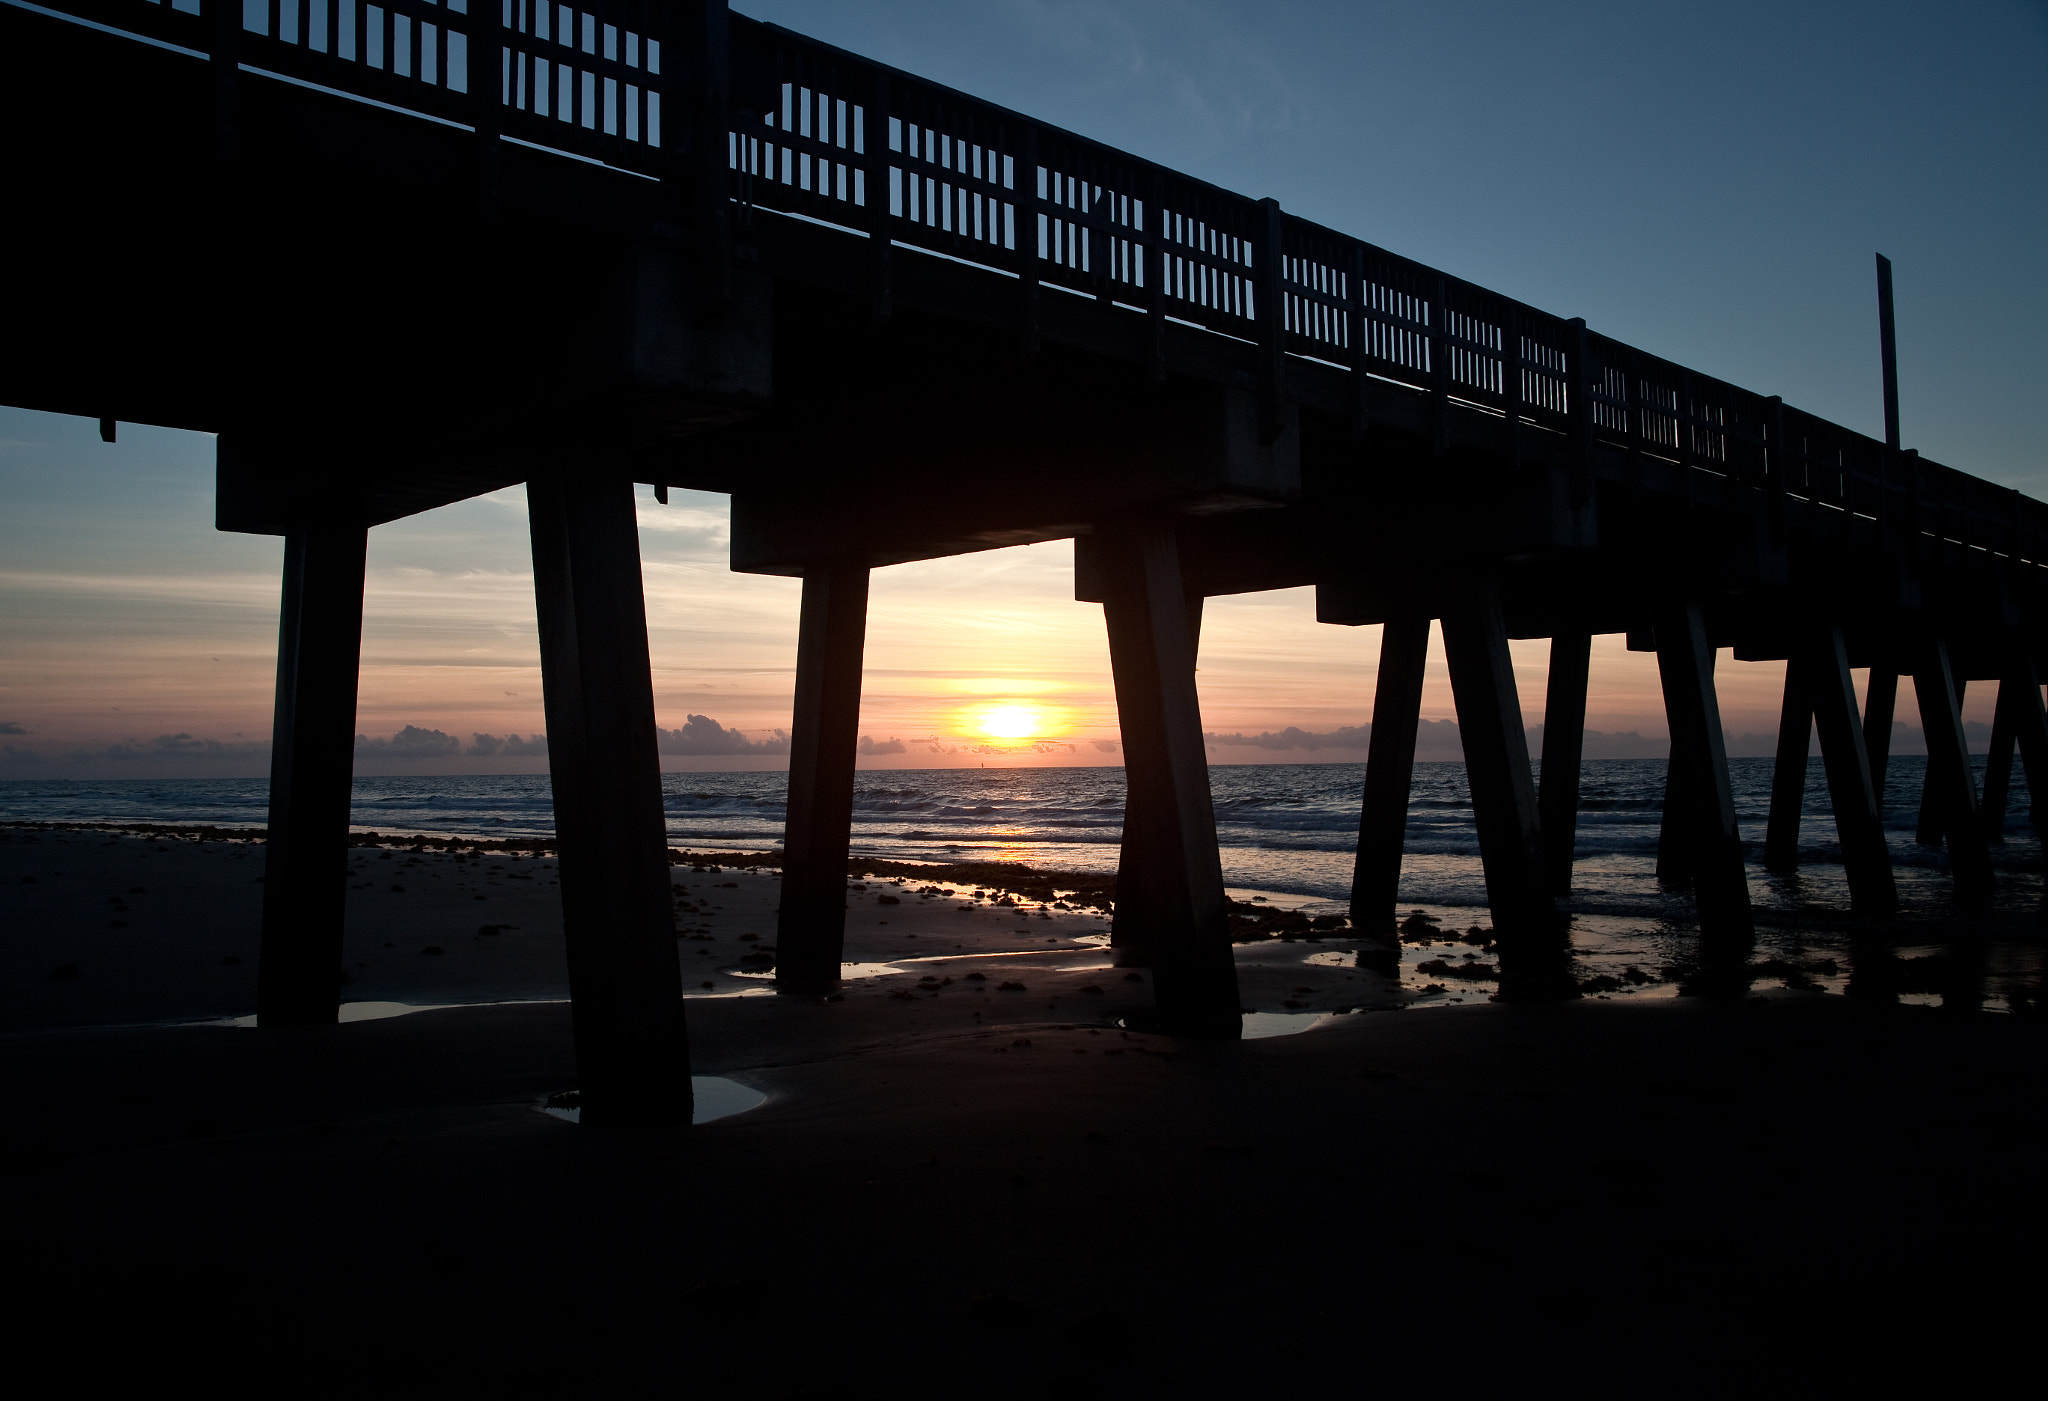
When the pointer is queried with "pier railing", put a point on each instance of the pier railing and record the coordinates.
(816, 131)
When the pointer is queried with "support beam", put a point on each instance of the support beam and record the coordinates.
(1831, 691)
(1131, 922)
(2030, 730)
(312, 763)
(1699, 765)
(1564, 748)
(1674, 848)
(810, 928)
(1194, 978)
(1880, 702)
(618, 919)
(1389, 774)
(1998, 766)
(1788, 772)
(1527, 924)
(1951, 788)
(1932, 822)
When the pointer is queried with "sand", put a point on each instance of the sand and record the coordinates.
(965, 1193)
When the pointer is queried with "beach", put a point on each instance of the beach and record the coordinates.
(954, 1187)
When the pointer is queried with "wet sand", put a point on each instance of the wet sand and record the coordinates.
(974, 1192)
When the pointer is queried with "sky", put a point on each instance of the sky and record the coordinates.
(1708, 182)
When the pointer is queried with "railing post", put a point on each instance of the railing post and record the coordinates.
(1511, 385)
(1272, 321)
(1581, 408)
(707, 131)
(1440, 369)
(1358, 374)
(880, 263)
(486, 98)
(1154, 244)
(224, 59)
(1028, 253)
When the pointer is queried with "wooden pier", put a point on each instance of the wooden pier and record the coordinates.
(660, 243)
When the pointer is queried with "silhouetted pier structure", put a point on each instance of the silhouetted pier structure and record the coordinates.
(667, 244)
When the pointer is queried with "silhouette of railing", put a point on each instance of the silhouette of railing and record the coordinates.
(823, 133)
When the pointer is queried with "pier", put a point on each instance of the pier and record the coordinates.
(400, 255)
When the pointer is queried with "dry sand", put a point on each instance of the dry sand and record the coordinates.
(965, 1191)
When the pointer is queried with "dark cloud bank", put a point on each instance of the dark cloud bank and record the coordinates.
(1439, 739)
(700, 736)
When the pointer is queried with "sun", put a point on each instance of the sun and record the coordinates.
(1010, 719)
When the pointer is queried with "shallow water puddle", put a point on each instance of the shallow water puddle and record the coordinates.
(378, 1011)
(711, 1097)
(1260, 1025)
(848, 972)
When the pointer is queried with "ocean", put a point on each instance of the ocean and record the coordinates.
(1287, 833)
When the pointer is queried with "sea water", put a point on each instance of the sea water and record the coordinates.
(1287, 832)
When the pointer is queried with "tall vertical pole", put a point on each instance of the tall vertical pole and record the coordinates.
(1564, 748)
(1389, 775)
(1888, 346)
(1831, 691)
(1788, 772)
(1503, 794)
(618, 917)
(810, 928)
(1130, 925)
(1951, 788)
(1151, 656)
(312, 763)
(1699, 763)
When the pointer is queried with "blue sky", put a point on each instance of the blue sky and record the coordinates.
(1707, 182)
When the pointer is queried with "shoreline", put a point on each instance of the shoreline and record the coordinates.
(1446, 953)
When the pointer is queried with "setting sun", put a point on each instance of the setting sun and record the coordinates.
(1012, 720)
